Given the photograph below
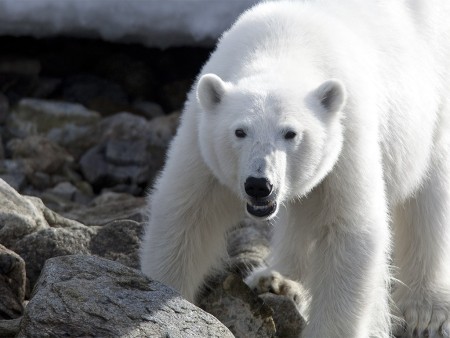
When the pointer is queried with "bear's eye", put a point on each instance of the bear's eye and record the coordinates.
(240, 133)
(290, 135)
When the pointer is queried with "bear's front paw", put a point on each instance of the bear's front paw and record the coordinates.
(267, 280)
(423, 317)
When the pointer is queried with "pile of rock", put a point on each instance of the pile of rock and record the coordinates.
(80, 117)
(84, 129)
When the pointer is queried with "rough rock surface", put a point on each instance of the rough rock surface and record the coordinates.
(12, 284)
(233, 303)
(287, 319)
(89, 296)
(9, 328)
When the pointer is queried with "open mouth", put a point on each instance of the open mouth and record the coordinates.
(262, 209)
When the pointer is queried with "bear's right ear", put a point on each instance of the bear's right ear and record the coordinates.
(332, 95)
(210, 91)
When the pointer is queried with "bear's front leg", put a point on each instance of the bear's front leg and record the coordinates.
(189, 215)
(422, 252)
(348, 286)
(347, 273)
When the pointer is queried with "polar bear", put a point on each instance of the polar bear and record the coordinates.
(331, 119)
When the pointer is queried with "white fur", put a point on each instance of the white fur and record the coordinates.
(364, 85)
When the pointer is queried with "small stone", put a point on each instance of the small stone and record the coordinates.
(93, 165)
(65, 190)
(125, 152)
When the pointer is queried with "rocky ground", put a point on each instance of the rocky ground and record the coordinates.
(84, 128)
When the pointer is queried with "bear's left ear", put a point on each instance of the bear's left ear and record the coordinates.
(210, 91)
(331, 95)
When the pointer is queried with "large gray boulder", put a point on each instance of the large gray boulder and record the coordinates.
(94, 297)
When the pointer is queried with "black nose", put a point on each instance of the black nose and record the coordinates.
(257, 187)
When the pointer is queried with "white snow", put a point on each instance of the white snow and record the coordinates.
(157, 23)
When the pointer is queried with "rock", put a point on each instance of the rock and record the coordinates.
(37, 116)
(39, 154)
(37, 233)
(125, 152)
(19, 216)
(109, 207)
(129, 150)
(66, 196)
(89, 296)
(9, 328)
(39, 246)
(119, 241)
(102, 167)
(288, 321)
(64, 190)
(12, 284)
(233, 303)
(125, 126)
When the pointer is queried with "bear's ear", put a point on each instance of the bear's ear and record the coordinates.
(331, 95)
(210, 91)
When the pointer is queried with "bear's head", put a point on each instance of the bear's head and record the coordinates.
(267, 143)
